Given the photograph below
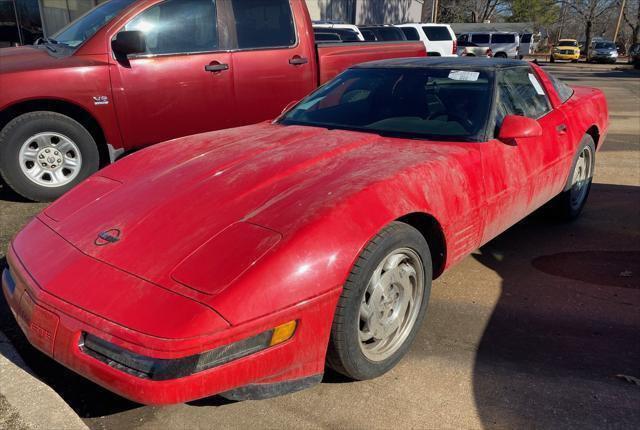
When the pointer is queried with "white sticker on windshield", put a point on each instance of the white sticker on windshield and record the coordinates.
(536, 84)
(463, 75)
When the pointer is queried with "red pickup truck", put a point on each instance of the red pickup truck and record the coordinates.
(131, 73)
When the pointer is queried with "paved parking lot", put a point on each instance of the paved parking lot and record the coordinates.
(530, 331)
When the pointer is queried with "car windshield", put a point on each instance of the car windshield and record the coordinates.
(568, 43)
(605, 45)
(427, 103)
(87, 25)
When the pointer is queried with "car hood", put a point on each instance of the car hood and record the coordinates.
(157, 207)
(32, 58)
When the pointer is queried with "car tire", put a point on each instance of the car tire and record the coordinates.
(568, 205)
(500, 55)
(552, 59)
(365, 342)
(44, 154)
(574, 61)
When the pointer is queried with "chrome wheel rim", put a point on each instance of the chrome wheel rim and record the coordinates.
(50, 159)
(390, 304)
(582, 174)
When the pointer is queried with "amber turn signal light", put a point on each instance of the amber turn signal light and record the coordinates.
(283, 332)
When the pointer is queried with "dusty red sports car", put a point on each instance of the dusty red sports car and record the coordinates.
(242, 261)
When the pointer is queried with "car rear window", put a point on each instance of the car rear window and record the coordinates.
(526, 38)
(480, 38)
(410, 33)
(437, 33)
(503, 38)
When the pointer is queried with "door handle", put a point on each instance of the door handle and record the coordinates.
(561, 129)
(297, 60)
(216, 67)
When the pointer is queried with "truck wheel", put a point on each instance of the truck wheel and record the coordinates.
(500, 55)
(382, 304)
(568, 205)
(45, 154)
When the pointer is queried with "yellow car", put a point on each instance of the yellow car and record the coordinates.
(567, 49)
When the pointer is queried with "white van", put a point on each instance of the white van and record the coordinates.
(438, 39)
(502, 44)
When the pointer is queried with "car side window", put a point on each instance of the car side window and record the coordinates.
(564, 91)
(410, 33)
(178, 26)
(480, 38)
(264, 24)
(520, 93)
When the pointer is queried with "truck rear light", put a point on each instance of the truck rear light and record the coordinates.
(455, 46)
(489, 53)
(159, 369)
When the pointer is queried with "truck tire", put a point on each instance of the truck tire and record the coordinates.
(382, 305)
(44, 154)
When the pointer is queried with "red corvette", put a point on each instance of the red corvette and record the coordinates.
(242, 261)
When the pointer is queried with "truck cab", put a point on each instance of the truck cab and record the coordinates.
(132, 73)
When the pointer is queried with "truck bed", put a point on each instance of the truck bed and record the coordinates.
(333, 58)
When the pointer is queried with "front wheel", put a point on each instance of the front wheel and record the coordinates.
(382, 304)
(44, 154)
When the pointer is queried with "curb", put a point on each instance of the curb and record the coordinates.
(27, 403)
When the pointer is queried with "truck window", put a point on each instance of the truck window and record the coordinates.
(410, 33)
(264, 24)
(437, 33)
(503, 38)
(178, 26)
(480, 38)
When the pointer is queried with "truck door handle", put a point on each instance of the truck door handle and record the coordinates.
(561, 129)
(216, 67)
(297, 60)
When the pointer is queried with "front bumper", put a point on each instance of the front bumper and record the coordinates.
(58, 329)
(573, 56)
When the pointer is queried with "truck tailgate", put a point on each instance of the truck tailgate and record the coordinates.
(333, 58)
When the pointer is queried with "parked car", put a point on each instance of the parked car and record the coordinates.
(381, 33)
(470, 49)
(634, 55)
(527, 44)
(132, 73)
(439, 39)
(347, 32)
(603, 52)
(502, 44)
(567, 49)
(243, 261)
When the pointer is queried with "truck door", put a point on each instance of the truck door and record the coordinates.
(182, 84)
(273, 64)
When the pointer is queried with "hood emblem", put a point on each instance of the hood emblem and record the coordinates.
(107, 237)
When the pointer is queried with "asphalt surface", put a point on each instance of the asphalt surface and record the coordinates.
(537, 329)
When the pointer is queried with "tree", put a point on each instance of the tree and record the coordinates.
(632, 19)
(589, 11)
(541, 12)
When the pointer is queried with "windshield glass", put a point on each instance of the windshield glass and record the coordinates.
(568, 43)
(605, 45)
(88, 24)
(436, 103)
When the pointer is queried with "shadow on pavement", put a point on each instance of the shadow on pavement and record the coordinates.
(567, 321)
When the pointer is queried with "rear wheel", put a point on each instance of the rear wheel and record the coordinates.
(568, 205)
(44, 154)
(500, 55)
(552, 59)
(382, 305)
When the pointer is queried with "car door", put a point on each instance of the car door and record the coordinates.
(272, 66)
(520, 176)
(182, 84)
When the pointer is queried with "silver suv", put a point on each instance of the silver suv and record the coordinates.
(502, 44)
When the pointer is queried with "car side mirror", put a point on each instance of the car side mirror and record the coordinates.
(128, 43)
(518, 127)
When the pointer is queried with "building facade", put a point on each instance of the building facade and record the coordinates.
(23, 21)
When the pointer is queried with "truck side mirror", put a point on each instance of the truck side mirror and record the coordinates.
(128, 43)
